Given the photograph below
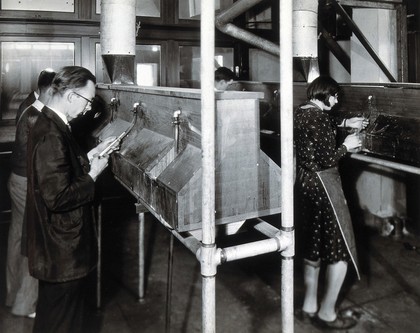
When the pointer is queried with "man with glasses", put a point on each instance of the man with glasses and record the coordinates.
(61, 189)
(89, 102)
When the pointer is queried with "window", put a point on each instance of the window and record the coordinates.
(190, 64)
(191, 9)
(39, 5)
(259, 17)
(264, 67)
(21, 62)
(148, 65)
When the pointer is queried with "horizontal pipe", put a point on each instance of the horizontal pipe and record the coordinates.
(382, 162)
(224, 18)
(250, 249)
(241, 34)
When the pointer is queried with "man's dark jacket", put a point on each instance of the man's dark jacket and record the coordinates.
(61, 237)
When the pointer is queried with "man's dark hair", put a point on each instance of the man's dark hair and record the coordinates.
(223, 73)
(322, 88)
(45, 79)
(71, 77)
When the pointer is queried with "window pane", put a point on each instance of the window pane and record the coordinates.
(191, 9)
(150, 8)
(43, 5)
(190, 64)
(264, 67)
(21, 63)
(147, 65)
(259, 17)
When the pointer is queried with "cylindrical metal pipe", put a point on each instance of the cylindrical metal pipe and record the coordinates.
(176, 122)
(118, 39)
(305, 28)
(207, 35)
(141, 257)
(251, 249)
(236, 9)
(286, 153)
(242, 34)
(99, 265)
(305, 36)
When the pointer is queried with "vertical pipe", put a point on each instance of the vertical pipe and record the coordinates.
(169, 283)
(207, 34)
(99, 265)
(141, 257)
(286, 151)
(176, 122)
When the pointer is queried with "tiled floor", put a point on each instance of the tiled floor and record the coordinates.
(248, 291)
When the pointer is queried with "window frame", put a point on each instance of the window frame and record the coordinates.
(43, 39)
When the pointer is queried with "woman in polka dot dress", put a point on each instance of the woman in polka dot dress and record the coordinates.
(327, 232)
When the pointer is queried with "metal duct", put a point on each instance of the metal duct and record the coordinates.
(305, 32)
(238, 8)
(118, 39)
(305, 28)
(305, 36)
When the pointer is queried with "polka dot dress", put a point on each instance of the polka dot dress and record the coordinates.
(315, 140)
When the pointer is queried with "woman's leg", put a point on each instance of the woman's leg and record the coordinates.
(311, 275)
(335, 275)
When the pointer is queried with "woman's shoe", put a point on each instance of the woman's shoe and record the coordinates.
(340, 323)
(304, 317)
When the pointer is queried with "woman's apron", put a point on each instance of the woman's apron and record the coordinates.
(331, 181)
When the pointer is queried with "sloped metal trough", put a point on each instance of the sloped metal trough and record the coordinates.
(159, 161)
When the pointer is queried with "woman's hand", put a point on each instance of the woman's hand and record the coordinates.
(357, 122)
(352, 142)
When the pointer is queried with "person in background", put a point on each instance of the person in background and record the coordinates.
(223, 78)
(61, 238)
(33, 95)
(22, 288)
(327, 233)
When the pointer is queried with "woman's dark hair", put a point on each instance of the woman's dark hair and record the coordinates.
(71, 77)
(322, 88)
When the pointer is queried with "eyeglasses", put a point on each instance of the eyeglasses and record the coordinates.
(89, 101)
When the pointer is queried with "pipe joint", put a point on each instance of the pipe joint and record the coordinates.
(210, 258)
(286, 237)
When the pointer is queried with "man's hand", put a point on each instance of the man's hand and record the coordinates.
(101, 146)
(97, 166)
